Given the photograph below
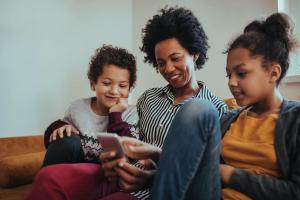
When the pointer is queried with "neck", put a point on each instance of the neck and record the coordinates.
(186, 91)
(270, 104)
(97, 108)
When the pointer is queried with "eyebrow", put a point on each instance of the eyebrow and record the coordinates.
(172, 54)
(236, 66)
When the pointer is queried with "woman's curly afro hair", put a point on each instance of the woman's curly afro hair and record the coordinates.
(179, 23)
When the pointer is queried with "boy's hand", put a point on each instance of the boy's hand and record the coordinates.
(64, 130)
(121, 106)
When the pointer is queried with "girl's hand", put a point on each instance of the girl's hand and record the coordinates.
(64, 130)
(133, 178)
(226, 173)
(137, 149)
(121, 106)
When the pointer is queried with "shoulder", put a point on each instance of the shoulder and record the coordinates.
(150, 94)
(130, 115)
(79, 105)
(131, 110)
(218, 102)
(290, 106)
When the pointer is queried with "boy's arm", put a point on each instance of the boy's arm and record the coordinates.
(55, 125)
(117, 125)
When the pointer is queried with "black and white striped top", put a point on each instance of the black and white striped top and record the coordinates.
(156, 111)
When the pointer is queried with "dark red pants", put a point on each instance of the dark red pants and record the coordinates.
(75, 181)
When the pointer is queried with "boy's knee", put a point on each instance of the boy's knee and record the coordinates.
(67, 143)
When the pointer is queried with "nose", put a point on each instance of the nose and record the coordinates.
(169, 68)
(114, 89)
(232, 81)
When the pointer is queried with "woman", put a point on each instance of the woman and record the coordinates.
(176, 45)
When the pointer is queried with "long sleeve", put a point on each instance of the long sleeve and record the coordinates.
(117, 125)
(259, 186)
(53, 126)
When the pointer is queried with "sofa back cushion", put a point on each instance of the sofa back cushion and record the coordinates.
(21, 145)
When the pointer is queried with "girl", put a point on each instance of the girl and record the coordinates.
(261, 141)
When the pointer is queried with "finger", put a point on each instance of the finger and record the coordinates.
(50, 138)
(109, 165)
(148, 164)
(54, 135)
(61, 132)
(74, 130)
(127, 187)
(106, 156)
(130, 173)
(69, 130)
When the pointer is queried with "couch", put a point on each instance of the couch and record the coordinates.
(20, 159)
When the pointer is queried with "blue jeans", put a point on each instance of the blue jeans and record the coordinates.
(189, 162)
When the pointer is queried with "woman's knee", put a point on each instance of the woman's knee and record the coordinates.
(196, 108)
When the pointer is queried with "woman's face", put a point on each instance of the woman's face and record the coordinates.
(174, 63)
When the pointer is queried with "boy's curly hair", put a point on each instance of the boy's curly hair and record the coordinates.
(179, 23)
(107, 55)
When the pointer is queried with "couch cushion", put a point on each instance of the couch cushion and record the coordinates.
(19, 169)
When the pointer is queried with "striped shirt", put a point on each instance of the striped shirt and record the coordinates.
(156, 111)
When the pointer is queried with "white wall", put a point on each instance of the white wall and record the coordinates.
(222, 20)
(45, 48)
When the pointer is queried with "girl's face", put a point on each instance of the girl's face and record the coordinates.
(174, 62)
(249, 81)
(111, 85)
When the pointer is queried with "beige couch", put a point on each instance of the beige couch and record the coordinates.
(20, 159)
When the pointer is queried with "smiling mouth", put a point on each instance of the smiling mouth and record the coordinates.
(113, 98)
(237, 95)
(173, 77)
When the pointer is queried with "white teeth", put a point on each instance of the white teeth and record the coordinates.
(174, 77)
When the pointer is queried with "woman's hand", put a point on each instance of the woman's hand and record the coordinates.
(121, 106)
(109, 163)
(133, 178)
(137, 149)
(226, 173)
(66, 129)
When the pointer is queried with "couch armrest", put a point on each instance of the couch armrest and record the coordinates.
(20, 169)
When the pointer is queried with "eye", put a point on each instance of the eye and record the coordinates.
(242, 74)
(106, 83)
(160, 63)
(176, 59)
(123, 85)
(228, 75)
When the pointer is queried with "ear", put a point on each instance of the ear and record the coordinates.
(275, 73)
(92, 86)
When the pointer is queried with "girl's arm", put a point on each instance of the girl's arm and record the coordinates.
(259, 186)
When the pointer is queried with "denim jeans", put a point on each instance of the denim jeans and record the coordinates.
(189, 162)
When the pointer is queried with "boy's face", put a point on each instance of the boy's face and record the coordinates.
(248, 80)
(111, 85)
